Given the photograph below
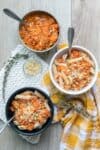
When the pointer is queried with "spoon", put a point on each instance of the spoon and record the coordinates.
(5, 125)
(11, 14)
(77, 105)
(70, 39)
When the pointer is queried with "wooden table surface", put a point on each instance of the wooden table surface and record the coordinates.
(86, 20)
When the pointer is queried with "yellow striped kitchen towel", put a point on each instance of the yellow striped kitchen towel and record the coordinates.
(80, 117)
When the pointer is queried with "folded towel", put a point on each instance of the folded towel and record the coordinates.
(80, 117)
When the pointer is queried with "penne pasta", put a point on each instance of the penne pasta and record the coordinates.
(31, 110)
(61, 83)
(74, 72)
(54, 69)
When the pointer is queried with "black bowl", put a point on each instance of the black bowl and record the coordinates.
(9, 113)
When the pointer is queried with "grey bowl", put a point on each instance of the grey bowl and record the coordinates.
(34, 50)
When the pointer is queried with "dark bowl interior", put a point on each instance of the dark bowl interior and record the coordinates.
(9, 113)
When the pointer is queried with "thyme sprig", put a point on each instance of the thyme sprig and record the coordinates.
(77, 105)
(8, 67)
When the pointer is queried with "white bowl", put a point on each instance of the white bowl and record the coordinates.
(72, 92)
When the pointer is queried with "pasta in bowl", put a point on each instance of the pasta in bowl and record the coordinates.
(32, 110)
(75, 74)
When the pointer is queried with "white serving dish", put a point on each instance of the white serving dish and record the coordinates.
(83, 90)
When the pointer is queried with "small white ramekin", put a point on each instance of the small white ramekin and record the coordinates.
(83, 90)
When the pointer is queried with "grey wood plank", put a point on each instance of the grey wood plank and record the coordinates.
(8, 41)
(86, 20)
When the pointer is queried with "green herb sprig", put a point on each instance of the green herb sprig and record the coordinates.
(8, 67)
(77, 105)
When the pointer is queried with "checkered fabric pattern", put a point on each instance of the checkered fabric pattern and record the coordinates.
(79, 131)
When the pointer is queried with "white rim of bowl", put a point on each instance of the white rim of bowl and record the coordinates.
(85, 89)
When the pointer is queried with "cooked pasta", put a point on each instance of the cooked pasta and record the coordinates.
(40, 31)
(31, 110)
(74, 72)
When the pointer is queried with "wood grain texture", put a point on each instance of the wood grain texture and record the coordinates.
(86, 20)
(8, 27)
(8, 41)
